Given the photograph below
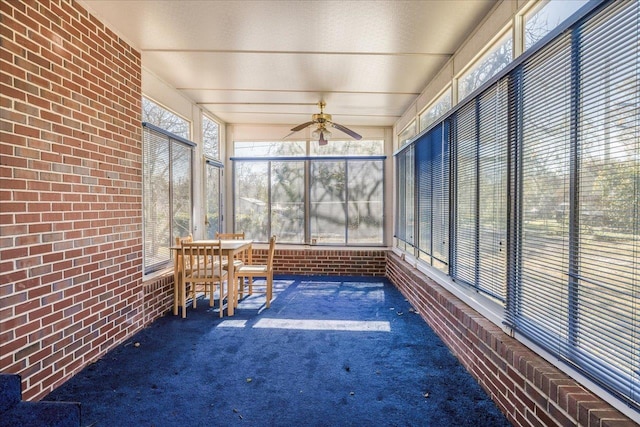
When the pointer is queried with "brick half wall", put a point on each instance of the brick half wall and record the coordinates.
(529, 390)
(315, 260)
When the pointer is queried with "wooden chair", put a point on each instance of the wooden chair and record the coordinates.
(259, 270)
(240, 259)
(202, 268)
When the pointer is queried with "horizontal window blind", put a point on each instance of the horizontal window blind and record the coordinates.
(167, 193)
(424, 191)
(541, 292)
(545, 189)
(605, 309)
(405, 162)
(432, 190)
(492, 190)
(440, 197)
(577, 288)
(464, 266)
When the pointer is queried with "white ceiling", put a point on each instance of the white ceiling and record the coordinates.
(270, 62)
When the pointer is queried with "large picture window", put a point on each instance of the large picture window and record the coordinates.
(325, 198)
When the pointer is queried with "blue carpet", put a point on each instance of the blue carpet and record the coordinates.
(331, 351)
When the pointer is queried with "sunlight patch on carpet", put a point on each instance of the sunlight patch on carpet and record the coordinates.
(324, 325)
(232, 323)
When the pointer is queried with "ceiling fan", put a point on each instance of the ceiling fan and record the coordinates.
(323, 120)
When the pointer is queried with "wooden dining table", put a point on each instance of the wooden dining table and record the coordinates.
(229, 249)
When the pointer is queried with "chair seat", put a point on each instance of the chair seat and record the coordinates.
(236, 264)
(257, 270)
(205, 275)
(251, 269)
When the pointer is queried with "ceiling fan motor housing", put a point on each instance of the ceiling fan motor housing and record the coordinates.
(321, 118)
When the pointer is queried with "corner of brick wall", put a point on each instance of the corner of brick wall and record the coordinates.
(529, 390)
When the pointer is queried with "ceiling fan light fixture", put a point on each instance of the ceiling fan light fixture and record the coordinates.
(321, 134)
(322, 140)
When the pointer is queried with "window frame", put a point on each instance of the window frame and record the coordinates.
(308, 161)
(171, 140)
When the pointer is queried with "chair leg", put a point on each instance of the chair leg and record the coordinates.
(183, 299)
(221, 298)
(194, 296)
(269, 289)
(240, 287)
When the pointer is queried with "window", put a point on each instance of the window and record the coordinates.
(498, 57)
(348, 148)
(167, 189)
(480, 193)
(327, 198)
(544, 197)
(546, 16)
(580, 210)
(213, 199)
(436, 110)
(346, 201)
(167, 183)
(164, 119)
(432, 193)
(409, 132)
(405, 207)
(269, 148)
(210, 138)
(212, 177)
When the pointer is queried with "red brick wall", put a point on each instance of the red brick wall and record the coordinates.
(71, 196)
(325, 261)
(529, 390)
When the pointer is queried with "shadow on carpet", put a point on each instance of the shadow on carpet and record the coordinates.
(331, 351)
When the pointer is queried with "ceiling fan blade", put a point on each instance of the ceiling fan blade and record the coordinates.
(346, 130)
(322, 141)
(302, 126)
(288, 135)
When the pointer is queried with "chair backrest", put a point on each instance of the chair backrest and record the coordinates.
(180, 241)
(230, 236)
(186, 239)
(272, 250)
(201, 260)
(242, 256)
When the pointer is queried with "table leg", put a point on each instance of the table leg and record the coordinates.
(176, 284)
(231, 285)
